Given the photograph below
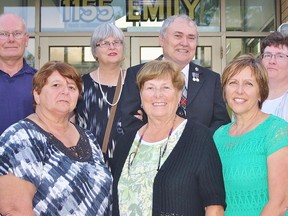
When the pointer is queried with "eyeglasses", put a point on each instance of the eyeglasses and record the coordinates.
(16, 34)
(132, 155)
(107, 44)
(278, 56)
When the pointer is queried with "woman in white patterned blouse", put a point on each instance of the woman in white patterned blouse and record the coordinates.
(48, 165)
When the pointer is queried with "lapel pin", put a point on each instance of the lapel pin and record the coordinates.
(195, 77)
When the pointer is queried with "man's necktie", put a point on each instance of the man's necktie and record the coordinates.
(183, 102)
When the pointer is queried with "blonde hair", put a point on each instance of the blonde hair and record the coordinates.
(157, 69)
(257, 69)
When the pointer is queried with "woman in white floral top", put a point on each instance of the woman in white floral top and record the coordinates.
(170, 166)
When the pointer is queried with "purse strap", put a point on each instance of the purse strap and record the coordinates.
(112, 115)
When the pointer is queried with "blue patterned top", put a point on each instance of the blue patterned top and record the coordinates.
(92, 112)
(66, 183)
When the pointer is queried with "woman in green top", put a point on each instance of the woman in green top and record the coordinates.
(254, 148)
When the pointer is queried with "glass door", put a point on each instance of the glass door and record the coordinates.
(74, 50)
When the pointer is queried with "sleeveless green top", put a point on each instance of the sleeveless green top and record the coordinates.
(244, 161)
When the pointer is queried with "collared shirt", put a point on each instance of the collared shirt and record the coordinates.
(185, 71)
(16, 99)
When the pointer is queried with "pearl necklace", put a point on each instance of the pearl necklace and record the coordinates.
(103, 95)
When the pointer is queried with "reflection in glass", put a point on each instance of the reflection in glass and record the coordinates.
(203, 56)
(250, 15)
(56, 54)
(78, 56)
(25, 9)
(74, 16)
(149, 53)
(74, 55)
(88, 57)
(238, 46)
(78, 16)
(29, 54)
(207, 15)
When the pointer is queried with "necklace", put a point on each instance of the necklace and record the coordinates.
(100, 87)
(161, 154)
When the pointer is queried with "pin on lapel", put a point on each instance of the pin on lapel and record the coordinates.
(195, 75)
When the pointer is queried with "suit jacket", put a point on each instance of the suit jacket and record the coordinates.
(205, 102)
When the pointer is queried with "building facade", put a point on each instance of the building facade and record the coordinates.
(61, 29)
(284, 11)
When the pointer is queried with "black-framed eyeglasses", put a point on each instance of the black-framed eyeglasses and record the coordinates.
(16, 34)
(132, 156)
(278, 56)
(107, 44)
(131, 160)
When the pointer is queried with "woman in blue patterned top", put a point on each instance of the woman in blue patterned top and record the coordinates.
(99, 86)
(49, 166)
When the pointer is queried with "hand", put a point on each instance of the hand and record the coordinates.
(214, 210)
(139, 115)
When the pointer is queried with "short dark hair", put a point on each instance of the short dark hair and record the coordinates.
(276, 39)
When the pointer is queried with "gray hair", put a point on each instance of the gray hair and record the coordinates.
(167, 22)
(103, 31)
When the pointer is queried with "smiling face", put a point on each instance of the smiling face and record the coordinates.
(160, 98)
(58, 96)
(12, 48)
(242, 92)
(180, 42)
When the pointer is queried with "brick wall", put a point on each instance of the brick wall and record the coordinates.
(284, 11)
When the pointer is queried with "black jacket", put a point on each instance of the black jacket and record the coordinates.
(205, 102)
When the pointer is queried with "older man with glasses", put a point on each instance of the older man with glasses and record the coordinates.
(274, 53)
(16, 100)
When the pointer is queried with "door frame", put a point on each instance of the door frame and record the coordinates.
(133, 46)
(46, 42)
(214, 42)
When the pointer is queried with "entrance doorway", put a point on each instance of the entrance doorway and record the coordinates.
(76, 51)
(208, 53)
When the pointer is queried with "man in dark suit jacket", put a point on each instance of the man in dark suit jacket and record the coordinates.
(178, 38)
